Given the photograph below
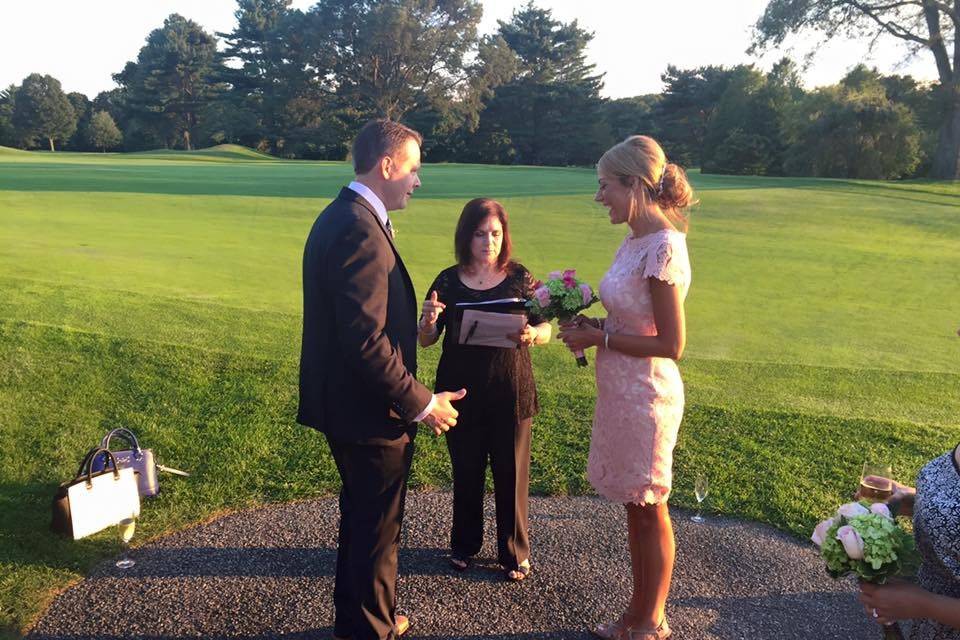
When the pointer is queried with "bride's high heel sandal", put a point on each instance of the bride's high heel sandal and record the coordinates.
(662, 632)
(620, 631)
(609, 630)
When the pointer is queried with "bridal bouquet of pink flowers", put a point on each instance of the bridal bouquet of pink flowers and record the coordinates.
(864, 540)
(562, 297)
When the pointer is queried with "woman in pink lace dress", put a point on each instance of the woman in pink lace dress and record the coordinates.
(639, 392)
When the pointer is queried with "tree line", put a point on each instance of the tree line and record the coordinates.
(299, 84)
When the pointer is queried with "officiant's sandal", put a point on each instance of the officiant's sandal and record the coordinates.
(402, 622)
(520, 573)
(460, 563)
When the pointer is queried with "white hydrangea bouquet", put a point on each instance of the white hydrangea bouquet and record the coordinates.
(864, 540)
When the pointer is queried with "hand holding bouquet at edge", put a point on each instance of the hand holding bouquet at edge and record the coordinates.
(864, 540)
(562, 297)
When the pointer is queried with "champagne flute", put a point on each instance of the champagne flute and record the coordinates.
(701, 487)
(125, 529)
(875, 481)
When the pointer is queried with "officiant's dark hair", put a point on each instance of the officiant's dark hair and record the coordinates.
(472, 216)
(379, 138)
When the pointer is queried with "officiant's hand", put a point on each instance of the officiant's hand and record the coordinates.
(443, 415)
(432, 308)
(528, 336)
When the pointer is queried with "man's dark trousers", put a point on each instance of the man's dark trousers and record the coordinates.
(374, 478)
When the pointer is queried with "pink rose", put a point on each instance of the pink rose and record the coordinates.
(820, 532)
(554, 275)
(852, 509)
(569, 283)
(543, 296)
(851, 541)
(587, 293)
(570, 273)
(881, 509)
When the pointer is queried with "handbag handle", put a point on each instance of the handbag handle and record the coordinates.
(124, 433)
(89, 455)
(88, 464)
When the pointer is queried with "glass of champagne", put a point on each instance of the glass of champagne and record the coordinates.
(701, 487)
(125, 529)
(875, 482)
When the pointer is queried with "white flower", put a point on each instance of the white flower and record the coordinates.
(852, 509)
(820, 532)
(851, 541)
(882, 509)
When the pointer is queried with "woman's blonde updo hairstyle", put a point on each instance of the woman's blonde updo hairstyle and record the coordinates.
(641, 158)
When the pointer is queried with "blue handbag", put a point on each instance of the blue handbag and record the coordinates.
(136, 458)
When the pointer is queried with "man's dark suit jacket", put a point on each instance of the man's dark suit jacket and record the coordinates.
(358, 360)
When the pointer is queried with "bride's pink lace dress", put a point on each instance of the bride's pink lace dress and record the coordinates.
(639, 400)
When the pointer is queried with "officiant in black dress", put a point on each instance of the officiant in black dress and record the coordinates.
(496, 416)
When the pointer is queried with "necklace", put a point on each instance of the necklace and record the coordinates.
(483, 278)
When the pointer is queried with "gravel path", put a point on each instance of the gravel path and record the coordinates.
(268, 573)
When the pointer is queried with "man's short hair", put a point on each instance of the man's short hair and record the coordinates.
(379, 138)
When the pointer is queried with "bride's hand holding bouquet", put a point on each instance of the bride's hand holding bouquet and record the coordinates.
(562, 297)
(580, 333)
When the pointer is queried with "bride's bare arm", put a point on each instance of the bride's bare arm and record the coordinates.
(668, 342)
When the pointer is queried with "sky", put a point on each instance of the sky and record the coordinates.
(83, 43)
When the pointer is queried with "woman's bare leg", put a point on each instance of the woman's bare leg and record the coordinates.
(652, 552)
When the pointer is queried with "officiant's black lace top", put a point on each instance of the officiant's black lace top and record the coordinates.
(494, 378)
(936, 526)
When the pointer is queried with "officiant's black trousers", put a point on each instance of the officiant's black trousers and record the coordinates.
(372, 498)
(481, 436)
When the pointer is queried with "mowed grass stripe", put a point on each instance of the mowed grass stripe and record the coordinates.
(182, 399)
(922, 397)
(773, 284)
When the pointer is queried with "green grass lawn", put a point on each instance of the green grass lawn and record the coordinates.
(161, 291)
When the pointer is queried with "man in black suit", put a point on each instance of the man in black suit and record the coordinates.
(358, 369)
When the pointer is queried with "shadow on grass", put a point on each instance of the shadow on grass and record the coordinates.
(28, 539)
(274, 180)
(281, 179)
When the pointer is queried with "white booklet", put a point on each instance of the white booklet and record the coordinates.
(490, 329)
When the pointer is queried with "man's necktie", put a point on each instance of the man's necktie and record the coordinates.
(389, 225)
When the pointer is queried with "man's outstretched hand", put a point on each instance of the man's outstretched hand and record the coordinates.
(443, 415)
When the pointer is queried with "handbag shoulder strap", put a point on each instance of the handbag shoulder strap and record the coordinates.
(123, 433)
